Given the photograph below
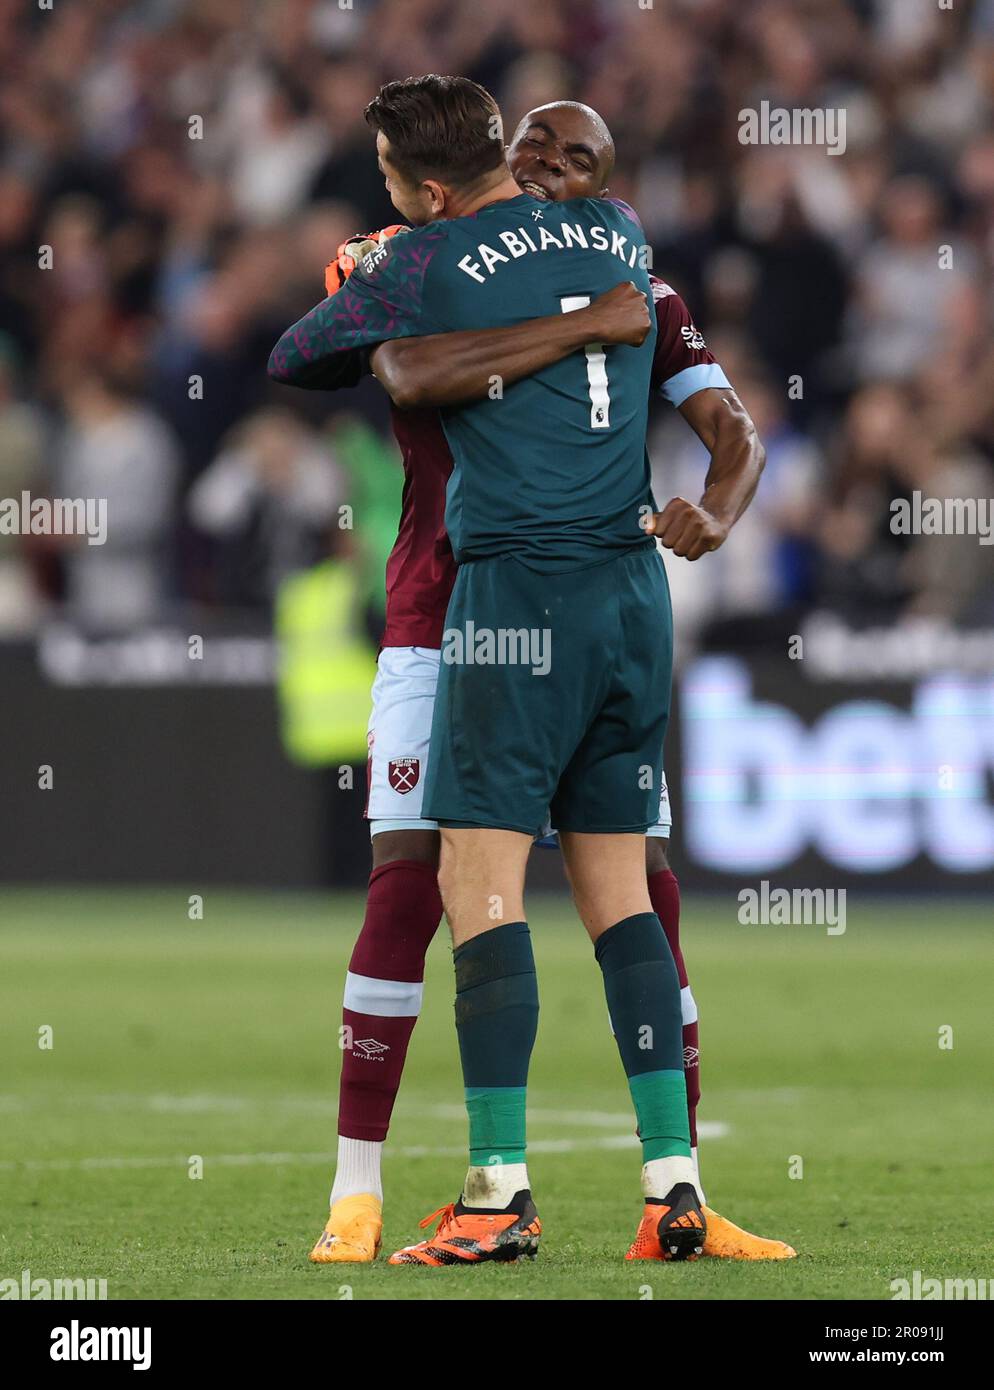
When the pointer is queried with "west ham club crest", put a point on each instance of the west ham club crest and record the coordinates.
(403, 774)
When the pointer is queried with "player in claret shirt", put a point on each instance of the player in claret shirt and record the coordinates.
(559, 152)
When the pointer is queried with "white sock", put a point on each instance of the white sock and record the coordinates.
(358, 1168)
(659, 1175)
(697, 1170)
(494, 1185)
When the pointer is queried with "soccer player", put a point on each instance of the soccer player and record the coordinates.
(567, 151)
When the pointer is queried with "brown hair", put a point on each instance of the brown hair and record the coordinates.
(439, 127)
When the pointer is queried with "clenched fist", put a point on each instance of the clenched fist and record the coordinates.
(687, 530)
(619, 316)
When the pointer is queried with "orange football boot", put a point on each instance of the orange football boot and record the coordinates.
(468, 1236)
(352, 1233)
(672, 1228)
(726, 1241)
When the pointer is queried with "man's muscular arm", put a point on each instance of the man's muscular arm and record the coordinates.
(724, 427)
(452, 368)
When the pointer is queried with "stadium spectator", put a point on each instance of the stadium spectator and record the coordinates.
(901, 308)
(22, 440)
(119, 451)
(864, 569)
(180, 248)
(269, 500)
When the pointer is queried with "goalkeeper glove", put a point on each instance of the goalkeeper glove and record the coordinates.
(351, 252)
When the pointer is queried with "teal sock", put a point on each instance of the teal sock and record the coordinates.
(643, 999)
(496, 1020)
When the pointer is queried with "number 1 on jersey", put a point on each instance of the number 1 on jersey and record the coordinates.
(600, 399)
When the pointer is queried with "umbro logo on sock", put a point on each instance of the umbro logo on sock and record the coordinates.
(690, 1056)
(370, 1048)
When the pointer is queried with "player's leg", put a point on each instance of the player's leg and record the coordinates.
(481, 875)
(664, 894)
(496, 750)
(607, 797)
(383, 989)
(724, 1240)
(607, 876)
(383, 985)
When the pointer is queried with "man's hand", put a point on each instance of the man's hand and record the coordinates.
(351, 252)
(619, 316)
(687, 530)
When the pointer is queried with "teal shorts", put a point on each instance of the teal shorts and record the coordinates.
(553, 697)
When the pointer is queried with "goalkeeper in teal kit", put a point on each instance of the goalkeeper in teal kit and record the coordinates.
(554, 685)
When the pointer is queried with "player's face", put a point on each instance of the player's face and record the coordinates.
(413, 201)
(558, 153)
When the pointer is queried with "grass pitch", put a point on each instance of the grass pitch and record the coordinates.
(175, 1040)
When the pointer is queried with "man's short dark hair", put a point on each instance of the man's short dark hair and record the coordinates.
(446, 128)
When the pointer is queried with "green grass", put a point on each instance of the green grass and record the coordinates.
(218, 1038)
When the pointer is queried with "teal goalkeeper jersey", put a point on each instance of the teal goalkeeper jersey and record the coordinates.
(552, 469)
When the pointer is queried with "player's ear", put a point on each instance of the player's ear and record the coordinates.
(436, 196)
(604, 192)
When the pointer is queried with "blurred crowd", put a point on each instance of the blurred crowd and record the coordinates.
(192, 167)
